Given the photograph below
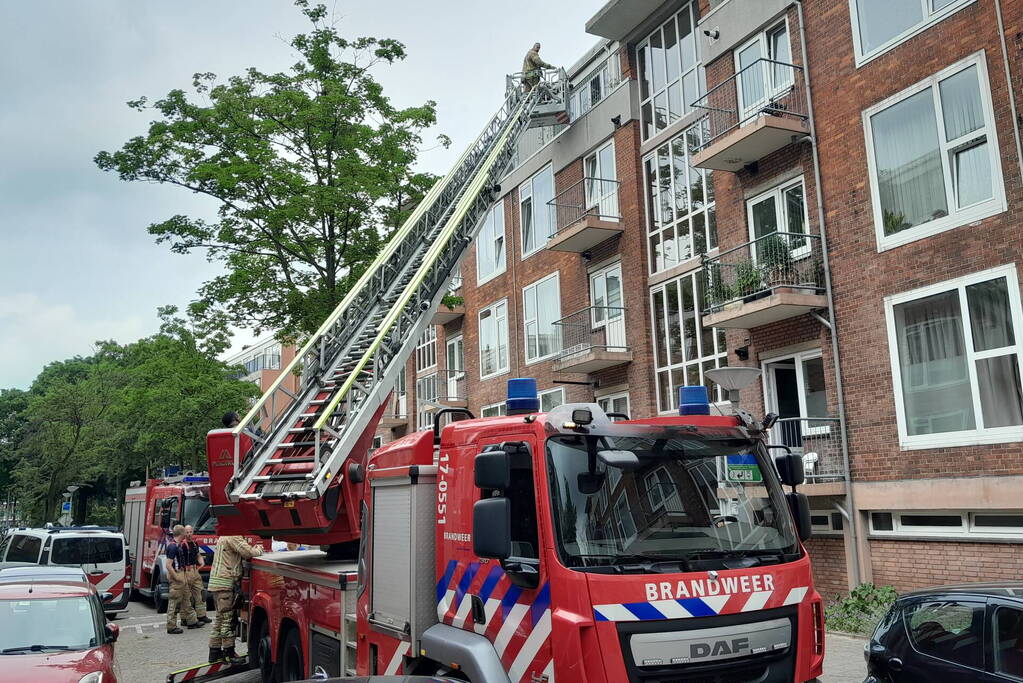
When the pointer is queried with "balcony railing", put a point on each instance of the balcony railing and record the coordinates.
(767, 93)
(585, 214)
(451, 389)
(592, 339)
(788, 262)
(818, 440)
(396, 413)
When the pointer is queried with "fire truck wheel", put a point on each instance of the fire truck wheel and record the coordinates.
(290, 666)
(264, 654)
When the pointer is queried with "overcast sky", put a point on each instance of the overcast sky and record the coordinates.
(76, 262)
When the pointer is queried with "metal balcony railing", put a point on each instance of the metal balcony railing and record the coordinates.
(764, 88)
(818, 440)
(451, 386)
(781, 260)
(593, 328)
(597, 197)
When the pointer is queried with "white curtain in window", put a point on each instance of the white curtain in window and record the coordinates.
(882, 20)
(998, 378)
(932, 361)
(910, 178)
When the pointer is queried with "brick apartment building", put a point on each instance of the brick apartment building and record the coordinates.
(827, 190)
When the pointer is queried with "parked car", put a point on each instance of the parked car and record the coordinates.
(953, 634)
(99, 551)
(52, 628)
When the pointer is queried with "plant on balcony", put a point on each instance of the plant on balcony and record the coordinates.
(776, 259)
(452, 301)
(749, 281)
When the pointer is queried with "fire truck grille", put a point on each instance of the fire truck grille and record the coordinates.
(701, 652)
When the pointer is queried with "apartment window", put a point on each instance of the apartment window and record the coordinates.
(782, 209)
(826, 522)
(589, 91)
(494, 410)
(683, 348)
(795, 386)
(490, 255)
(934, 156)
(536, 216)
(400, 395)
(426, 350)
(455, 356)
(764, 70)
(669, 72)
(955, 361)
(456, 278)
(551, 399)
(426, 397)
(661, 491)
(681, 221)
(601, 182)
(494, 339)
(880, 25)
(624, 522)
(541, 305)
(615, 403)
(950, 523)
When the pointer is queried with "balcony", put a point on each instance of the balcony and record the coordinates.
(448, 314)
(818, 440)
(396, 413)
(759, 110)
(772, 278)
(592, 339)
(585, 215)
(451, 392)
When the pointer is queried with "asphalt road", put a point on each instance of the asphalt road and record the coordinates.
(147, 653)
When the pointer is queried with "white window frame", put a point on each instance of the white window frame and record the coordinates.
(597, 277)
(530, 290)
(957, 217)
(930, 19)
(426, 410)
(501, 409)
(548, 392)
(490, 238)
(498, 318)
(781, 214)
(771, 89)
(967, 529)
(979, 435)
(540, 240)
(770, 390)
(618, 517)
(697, 70)
(604, 198)
(426, 350)
(457, 373)
(610, 399)
(663, 499)
(829, 528)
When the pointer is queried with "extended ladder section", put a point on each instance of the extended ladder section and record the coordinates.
(299, 477)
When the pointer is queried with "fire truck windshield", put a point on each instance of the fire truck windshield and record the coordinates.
(673, 501)
(197, 513)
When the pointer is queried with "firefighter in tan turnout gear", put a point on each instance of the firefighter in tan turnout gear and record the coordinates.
(532, 67)
(180, 601)
(228, 556)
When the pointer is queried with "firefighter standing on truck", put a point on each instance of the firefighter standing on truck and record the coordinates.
(193, 579)
(224, 576)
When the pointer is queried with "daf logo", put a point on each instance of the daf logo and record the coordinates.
(712, 575)
(718, 648)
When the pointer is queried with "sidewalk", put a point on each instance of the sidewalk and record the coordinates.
(843, 659)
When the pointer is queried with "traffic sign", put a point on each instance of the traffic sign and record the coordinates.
(744, 468)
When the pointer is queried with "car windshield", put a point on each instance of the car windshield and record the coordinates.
(87, 550)
(46, 624)
(678, 498)
(197, 512)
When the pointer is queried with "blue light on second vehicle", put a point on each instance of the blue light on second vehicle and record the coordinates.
(522, 396)
(693, 401)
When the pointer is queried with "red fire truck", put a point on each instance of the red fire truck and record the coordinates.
(150, 510)
(516, 549)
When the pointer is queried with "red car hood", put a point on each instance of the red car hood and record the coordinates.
(58, 667)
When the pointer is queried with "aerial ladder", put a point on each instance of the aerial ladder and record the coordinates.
(298, 456)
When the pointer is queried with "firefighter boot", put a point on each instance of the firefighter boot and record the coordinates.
(216, 654)
(231, 656)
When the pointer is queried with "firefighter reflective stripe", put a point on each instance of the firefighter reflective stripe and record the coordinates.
(698, 607)
(396, 658)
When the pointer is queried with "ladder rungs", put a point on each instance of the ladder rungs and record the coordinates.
(285, 461)
(282, 477)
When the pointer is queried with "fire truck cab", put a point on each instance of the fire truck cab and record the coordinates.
(567, 546)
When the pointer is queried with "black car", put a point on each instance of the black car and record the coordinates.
(953, 634)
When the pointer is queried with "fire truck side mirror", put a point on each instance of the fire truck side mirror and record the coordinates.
(790, 469)
(165, 517)
(800, 507)
(493, 470)
(491, 528)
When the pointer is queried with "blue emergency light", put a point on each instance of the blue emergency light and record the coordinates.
(522, 396)
(693, 401)
(195, 479)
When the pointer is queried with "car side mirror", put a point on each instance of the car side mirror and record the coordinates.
(491, 527)
(165, 518)
(799, 505)
(106, 597)
(112, 631)
(623, 460)
(492, 470)
(790, 469)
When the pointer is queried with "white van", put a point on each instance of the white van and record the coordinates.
(99, 551)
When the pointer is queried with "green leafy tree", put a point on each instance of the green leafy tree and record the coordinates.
(311, 168)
